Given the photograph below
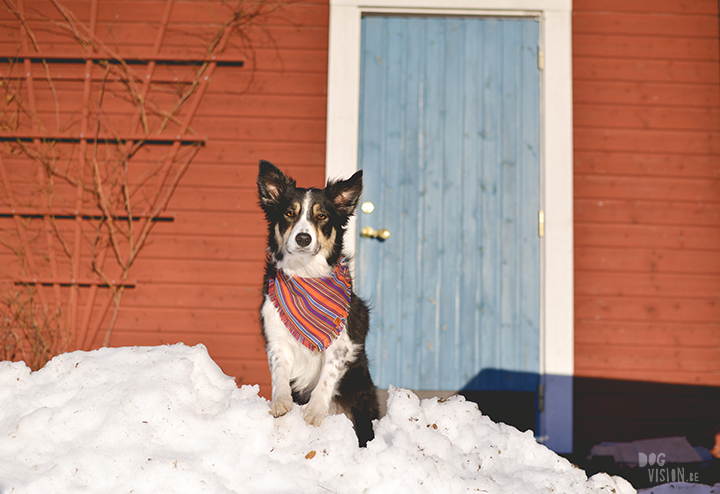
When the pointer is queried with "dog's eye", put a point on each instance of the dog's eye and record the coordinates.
(290, 213)
(321, 216)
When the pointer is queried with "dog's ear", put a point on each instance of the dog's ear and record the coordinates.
(345, 194)
(272, 183)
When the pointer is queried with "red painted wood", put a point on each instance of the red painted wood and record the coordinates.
(644, 48)
(647, 192)
(199, 278)
(646, 260)
(601, 283)
(640, 333)
(645, 22)
(647, 212)
(703, 192)
(645, 6)
(647, 165)
(687, 95)
(643, 117)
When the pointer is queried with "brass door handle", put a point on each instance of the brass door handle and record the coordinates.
(370, 232)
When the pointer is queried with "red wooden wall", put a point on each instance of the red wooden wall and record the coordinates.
(204, 272)
(199, 279)
(646, 90)
(647, 190)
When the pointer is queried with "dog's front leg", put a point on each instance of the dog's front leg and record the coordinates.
(279, 360)
(282, 401)
(335, 364)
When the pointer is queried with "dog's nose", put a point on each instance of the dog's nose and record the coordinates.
(303, 239)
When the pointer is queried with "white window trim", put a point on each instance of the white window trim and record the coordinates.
(557, 352)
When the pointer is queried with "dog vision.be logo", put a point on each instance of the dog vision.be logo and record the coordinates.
(659, 474)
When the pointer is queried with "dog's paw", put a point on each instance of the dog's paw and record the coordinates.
(314, 416)
(280, 407)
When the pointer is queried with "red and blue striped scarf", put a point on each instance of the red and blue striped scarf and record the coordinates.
(313, 309)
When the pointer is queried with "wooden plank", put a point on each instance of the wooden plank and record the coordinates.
(430, 214)
(270, 83)
(194, 296)
(633, 334)
(369, 144)
(650, 358)
(598, 283)
(217, 223)
(637, 407)
(407, 353)
(702, 378)
(666, 309)
(190, 201)
(647, 212)
(292, 129)
(150, 11)
(652, 118)
(509, 190)
(641, 260)
(215, 103)
(135, 37)
(618, 69)
(648, 141)
(220, 346)
(619, 388)
(646, 23)
(398, 75)
(653, 376)
(648, 93)
(489, 341)
(193, 246)
(303, 160)
(471, 239)
(607, 45)
(222, 127)
(199, 271)
(644, 236)
(190, 321)
(657, 189)
(644, 6)
(644, 164)
(452, 331)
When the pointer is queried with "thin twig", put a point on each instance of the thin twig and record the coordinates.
(99, 190)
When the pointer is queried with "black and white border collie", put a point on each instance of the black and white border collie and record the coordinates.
(305, 240)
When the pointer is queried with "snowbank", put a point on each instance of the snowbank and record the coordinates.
(166, 419)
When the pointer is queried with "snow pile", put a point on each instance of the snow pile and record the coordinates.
(166, 419)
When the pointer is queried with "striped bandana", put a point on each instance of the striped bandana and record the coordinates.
(313, 309)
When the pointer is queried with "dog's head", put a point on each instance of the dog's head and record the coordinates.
(306, 226)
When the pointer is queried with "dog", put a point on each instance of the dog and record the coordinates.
(313, 324)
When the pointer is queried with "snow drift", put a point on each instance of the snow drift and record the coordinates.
(166, 419)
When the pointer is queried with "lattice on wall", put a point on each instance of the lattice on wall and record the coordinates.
(93, 144)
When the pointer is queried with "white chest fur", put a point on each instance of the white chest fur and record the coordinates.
(303, 364)
(290, 361)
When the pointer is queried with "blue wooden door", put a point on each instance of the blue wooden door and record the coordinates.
(450, 148)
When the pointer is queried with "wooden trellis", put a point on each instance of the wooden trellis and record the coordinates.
(101, 208)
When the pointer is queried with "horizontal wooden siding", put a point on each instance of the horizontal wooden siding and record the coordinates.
(199, 279)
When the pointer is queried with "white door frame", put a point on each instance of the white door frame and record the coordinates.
(557, 294)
